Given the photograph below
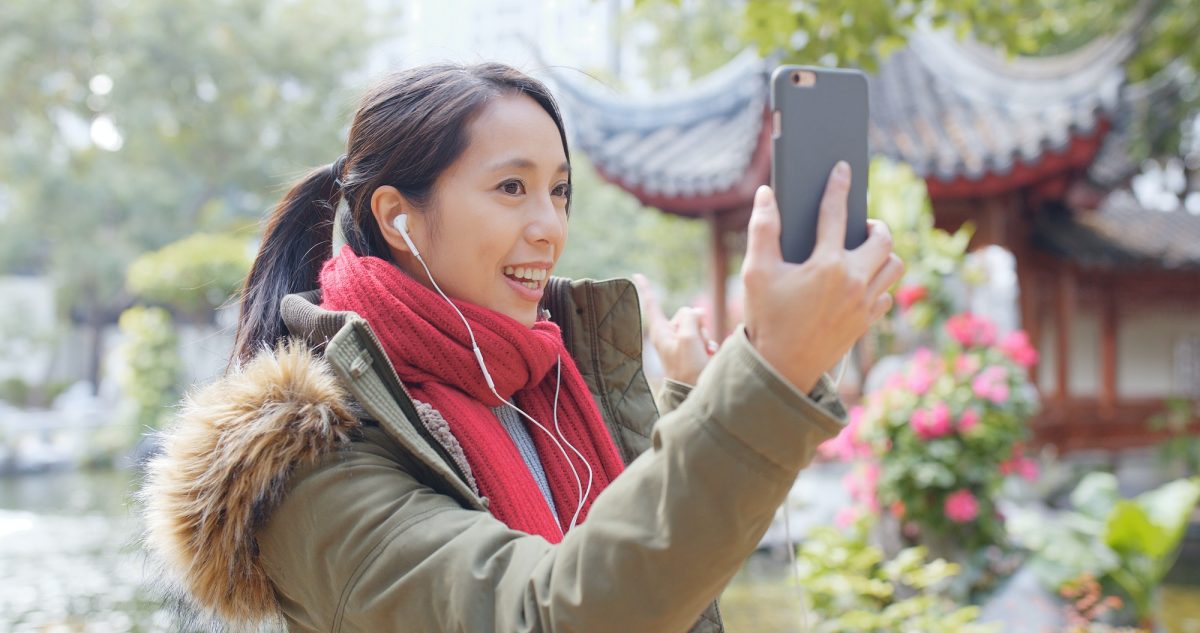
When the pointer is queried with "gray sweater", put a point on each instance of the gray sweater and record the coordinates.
(514, 425)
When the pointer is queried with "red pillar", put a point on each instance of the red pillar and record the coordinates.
(719, 270)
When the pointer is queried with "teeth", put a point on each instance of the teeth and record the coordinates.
(526, 274)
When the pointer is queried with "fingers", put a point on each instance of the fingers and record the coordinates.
(654, 311)
(874, 253)
(888, 275)
(882, 304)
(831, 226)
(762, 241)
(687, 322)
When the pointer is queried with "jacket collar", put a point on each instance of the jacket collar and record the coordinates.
(357, 357)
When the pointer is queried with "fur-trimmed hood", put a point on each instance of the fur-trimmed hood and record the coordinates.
(223, 467)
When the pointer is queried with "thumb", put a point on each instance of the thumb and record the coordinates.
(762, 239)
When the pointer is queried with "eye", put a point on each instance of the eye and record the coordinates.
(513, 187)
(563, 190)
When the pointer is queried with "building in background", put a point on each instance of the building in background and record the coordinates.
(1033, 151)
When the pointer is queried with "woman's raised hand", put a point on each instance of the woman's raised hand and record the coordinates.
(681, 342)
(803, 318)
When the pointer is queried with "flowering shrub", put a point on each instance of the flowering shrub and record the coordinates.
(935, 444)
(932, 256)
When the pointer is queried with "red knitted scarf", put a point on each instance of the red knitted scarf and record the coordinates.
(430, 349)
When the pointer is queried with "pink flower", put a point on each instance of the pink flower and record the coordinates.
(922, 371)
(970, 330)
(932, 423)
(919, 380)
(906, 296)
(861, 484)
(1017, 347)
(968, 420)
(961, 506)
(966, 364)
(848, 444)
(846, 517)
(991, 384)
(1020, 465)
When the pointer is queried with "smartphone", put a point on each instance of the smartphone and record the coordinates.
(819, 116)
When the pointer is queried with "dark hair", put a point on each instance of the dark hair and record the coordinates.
(408, 129)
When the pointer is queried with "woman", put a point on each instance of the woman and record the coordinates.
(424, 431)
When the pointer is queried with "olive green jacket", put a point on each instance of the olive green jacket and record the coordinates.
(306, 487)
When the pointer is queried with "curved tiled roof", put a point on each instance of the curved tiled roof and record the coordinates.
(691, 144)
(1122, 233)
(955, 111)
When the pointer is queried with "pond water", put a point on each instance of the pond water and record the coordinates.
(69, 563)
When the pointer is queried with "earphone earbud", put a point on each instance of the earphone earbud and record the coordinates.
(401, 224)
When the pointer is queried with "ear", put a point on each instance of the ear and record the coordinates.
(387, 203)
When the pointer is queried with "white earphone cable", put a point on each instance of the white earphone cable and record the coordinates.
(558, 430)
(787, 522)
(492, 387)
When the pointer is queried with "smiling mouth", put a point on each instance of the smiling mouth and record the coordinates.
(531, 278)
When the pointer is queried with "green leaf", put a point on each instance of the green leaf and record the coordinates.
(1130, 530)
(1170, 507)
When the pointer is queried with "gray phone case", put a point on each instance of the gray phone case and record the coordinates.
(817, 126)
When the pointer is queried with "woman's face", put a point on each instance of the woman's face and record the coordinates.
(498, 220)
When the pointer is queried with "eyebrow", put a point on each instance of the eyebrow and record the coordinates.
(525, 163)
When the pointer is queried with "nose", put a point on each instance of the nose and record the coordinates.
(547, 223)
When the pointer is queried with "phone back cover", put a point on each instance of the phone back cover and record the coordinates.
(820, 125)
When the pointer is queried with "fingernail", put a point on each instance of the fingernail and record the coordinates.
(762, 197)
(841, 170)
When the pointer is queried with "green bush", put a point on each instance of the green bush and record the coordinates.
(151, 369)
(193, 275)
(1181, 421)
(15, 391)
(851, 587)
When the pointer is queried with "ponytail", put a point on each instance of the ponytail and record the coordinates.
(297, 241)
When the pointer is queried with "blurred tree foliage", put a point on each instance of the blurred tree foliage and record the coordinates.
(193, 276)
(701, 34)
(683, 39)
(128, 125)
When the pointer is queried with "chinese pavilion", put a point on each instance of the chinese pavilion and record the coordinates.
(1028, 149)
